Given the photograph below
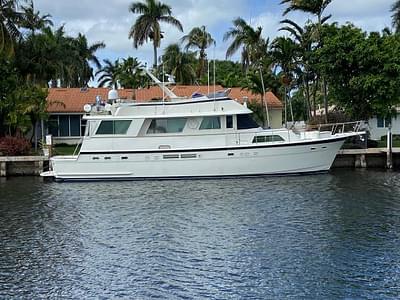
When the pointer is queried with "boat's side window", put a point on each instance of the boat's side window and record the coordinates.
(245, 122)
(170, 125)
(210, 123)
(113, 127)
(268, 138)
(229, 121)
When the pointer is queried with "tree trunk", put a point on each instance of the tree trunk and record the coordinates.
(155, 55)
(291, 107)
(35, 135)
(325, 100)
(316, 84)
(307, 97)
(285, 107)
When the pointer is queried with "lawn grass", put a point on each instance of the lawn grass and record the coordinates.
(65, 149)
(383, 144)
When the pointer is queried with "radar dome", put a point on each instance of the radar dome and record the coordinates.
(113, 95)
(87, 108)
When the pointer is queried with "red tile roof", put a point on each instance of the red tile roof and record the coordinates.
(72, 100)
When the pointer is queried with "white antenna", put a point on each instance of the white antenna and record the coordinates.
(163, 91)
(263, 97)
(208, 77)
(166, 90)
(163, 84)
(214, 75)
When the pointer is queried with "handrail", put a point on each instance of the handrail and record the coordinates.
(339, 127)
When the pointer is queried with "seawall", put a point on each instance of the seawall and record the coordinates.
(366, 158)
(23, 165)
(346, 158)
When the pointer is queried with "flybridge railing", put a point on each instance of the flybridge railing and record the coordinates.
(343, 127)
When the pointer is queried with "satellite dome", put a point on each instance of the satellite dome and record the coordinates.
(113, 95)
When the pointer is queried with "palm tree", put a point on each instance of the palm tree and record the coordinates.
(44, 57)
(199, 38)
(317, 8)
(130, 75)
(259, 85)
(9, 20)
(33, 20)
(85, 54)
(109, 74)
(285, 53)
(179, 64)
(396, 15)
(303, 38)
(248, 38)
(147, 25)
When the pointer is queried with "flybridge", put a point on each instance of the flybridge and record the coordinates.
(115, 106)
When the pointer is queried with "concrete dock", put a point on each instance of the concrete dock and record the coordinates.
(365, 158)
(22, 165)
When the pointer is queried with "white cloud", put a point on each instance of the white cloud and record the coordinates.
(110, 21)
(351, 9)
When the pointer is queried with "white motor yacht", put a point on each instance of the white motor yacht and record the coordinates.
(203, 136)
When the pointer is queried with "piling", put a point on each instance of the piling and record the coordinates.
(389, 155)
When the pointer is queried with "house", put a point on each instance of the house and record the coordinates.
(378, 127)
(65, 109)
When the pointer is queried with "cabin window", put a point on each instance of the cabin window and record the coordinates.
(268, 138)
(245, 122)
(210, 123)
(113, 127)
(229, 122)
(170, 125)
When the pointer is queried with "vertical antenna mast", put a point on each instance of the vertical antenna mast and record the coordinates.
(208, 77)
(263, 97)
(214, 75)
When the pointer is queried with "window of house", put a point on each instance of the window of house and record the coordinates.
(268, 139)
(210, 123)
(83, 127)
(229, 121)
(52, 125)
(113, 127)
(245, 122)
(65, 125)
(170, 125)
(75, 125)
(383, 123)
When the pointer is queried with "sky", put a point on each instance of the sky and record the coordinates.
(109, 21)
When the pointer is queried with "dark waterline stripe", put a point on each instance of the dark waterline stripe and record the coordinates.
(206, 177)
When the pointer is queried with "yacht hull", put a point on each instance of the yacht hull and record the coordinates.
(248, 160)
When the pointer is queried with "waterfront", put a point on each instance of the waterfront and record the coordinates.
(334, 235)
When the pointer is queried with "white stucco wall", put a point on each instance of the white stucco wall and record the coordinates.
(376, 132)
(275, 116)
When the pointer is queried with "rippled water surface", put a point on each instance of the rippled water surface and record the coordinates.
(311, 237)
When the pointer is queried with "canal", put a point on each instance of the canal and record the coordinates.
(327, 236)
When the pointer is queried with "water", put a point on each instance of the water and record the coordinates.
(312, 237)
